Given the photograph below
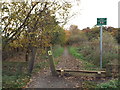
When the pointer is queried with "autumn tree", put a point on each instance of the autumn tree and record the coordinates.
(32, 26)
(76, 36)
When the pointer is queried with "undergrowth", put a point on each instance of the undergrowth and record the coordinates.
(87, 65)
(57, 51)
(15, 77)
(12, 77)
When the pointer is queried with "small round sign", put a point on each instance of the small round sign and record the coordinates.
(49, 52)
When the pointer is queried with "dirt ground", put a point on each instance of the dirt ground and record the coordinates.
(44, 79)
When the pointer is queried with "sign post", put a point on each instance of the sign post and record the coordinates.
(101, 21)
(101, 46)
(51, 61)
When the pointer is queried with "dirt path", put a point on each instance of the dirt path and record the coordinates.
(69, 62)
(44, 79)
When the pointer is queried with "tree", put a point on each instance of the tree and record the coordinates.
(76, 36)
(74, 29)
(34, 24)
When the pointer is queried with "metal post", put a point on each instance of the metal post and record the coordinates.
(101, 47)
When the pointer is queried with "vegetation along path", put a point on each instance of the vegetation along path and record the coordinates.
(44, 79)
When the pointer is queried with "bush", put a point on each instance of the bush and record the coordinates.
(91, 50)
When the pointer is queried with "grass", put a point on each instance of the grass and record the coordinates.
(113, 84)
(87, 65)
(110, 84)
(89, 85)
(40, 66)
(12, 77)
(57, 51)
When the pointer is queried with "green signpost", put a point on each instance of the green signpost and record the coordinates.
(101, 21)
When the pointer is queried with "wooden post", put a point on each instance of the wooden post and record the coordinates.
(32, 59)
(51, 62)
(115, 71)
(109, 70)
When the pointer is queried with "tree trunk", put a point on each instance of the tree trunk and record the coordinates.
(27, 55)
(32, 59)
(51, 62)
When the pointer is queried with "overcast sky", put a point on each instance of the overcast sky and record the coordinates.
(90, 10)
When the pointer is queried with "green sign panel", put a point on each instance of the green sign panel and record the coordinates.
(101, 21)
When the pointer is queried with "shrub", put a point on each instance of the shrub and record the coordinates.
(91, 51)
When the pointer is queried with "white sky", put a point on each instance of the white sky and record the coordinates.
(90, 10)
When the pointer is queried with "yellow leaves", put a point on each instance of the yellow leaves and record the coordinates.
(19, 43)
(33, 3)
(43, 26)
(43, 51)
(15, 44)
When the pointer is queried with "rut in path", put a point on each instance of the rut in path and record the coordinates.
(44, 79)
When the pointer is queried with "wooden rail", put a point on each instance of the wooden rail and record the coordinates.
(82, 71)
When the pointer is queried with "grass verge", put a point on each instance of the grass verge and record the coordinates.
(86, 65)
(110, 84)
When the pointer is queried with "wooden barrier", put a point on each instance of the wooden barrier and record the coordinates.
(111, 71)
(80, 71)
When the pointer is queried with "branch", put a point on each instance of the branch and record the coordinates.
(23, 24)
